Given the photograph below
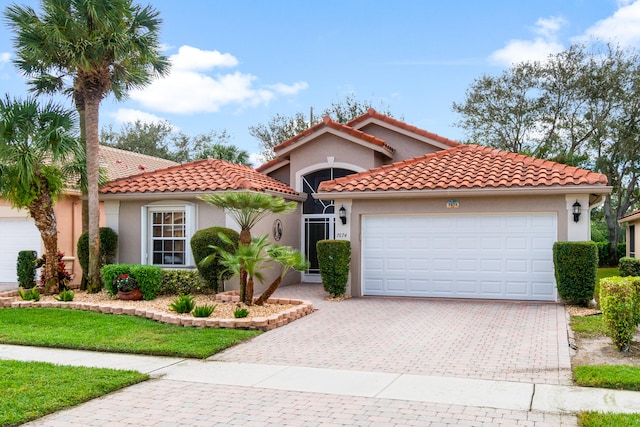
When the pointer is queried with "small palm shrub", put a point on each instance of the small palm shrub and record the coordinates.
(65, 296)
(183, 304)
(204, 310)
(26, 268)
(29, 295)
(209, 266)
(240, 312)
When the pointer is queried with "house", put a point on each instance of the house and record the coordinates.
(426, 216)
(20, 233)
(633, 233)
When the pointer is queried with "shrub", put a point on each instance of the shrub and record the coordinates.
(204, 310)
(64, 277)
(108, 249)
(576, 264)
(26, 268)
(334, 259)
(65, 296)
(201, 246)
(603, 253)
(629, 266)
(622, 250)
(182, 304)
(175, 282)
(240, 312)
(149, 278)
(29, 295)
(620, 305)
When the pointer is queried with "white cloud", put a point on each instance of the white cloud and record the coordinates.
(189, 89)
(256, 159)
(622, 27)
(532, 50)
(4, 58)
(128, 115)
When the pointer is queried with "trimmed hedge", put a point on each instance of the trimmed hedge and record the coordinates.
(176, 282)
(575, 266)
(603, 253)
(26, 269)
(629, 267)
(149, 278)
(108, 249)
(334, 259)
(620, 305)
(212, 272)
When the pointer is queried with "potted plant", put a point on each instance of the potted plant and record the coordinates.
(127, 287)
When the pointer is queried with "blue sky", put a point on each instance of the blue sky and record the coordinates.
(238, 63)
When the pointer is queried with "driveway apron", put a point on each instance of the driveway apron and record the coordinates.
(494, 340)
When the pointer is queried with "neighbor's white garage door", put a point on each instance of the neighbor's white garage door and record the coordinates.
(460, 256)
(16, 234)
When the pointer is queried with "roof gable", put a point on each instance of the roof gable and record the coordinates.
(465, 167)
(198, 176)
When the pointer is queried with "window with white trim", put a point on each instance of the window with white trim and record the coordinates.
(168, 232)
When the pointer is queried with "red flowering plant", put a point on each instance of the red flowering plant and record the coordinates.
(125, 282)
(64, 277)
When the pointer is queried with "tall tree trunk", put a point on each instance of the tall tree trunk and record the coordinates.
(248, 293)
(79, 101)
(42, 213)
(245, 240)
(92, 105)
(269, 291)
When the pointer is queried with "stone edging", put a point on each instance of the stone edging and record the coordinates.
(301, 309)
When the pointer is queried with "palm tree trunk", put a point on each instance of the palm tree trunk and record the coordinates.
(42, 213)
(92, 105)
(248, 294)
(245, 240)
(269, 291)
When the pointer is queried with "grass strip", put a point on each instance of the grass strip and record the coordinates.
(588, 326)
(599, 419)
(619, 377)
(85, 330)
(30, 390)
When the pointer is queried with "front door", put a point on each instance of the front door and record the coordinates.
(318, 218)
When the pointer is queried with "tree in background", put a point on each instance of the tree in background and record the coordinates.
(101, 46)
(280, 127)
(579, 107)
(34, 140)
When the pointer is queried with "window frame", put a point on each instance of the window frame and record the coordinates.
(147, 238)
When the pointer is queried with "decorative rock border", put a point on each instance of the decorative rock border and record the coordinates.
(301, 308)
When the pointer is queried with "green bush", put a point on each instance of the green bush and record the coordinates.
(175, 282)
(204, 310)
(604, 260)
(620, 305)
(240, 312)
(149, 278)
(26, 268)
(183, 304)
(622, 250)
(29, 295)
(334, 259)
(65, 296)
(108, 249)
(212, 271)
(629, 266)
(576, 264)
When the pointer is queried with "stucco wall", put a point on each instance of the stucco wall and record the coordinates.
(468, 205)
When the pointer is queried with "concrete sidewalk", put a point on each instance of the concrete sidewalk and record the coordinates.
(518, 397)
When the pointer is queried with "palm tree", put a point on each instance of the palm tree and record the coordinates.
(102, 46)
(247, 208)
(33, 140)
(289, 259)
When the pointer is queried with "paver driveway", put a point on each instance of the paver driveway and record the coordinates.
(509, 341)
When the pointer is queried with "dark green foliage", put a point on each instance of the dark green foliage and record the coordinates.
(575, 266)
(334, 258)
(29, 295)
(240, 312)
(629, 266)
(620, 305)
(183, 304)
(175, 282)
(604, 259)
(26, 269)
(622, 250)
(201, 246)
(65, 296)
(108, 249)
(149, 278)
(204, 310)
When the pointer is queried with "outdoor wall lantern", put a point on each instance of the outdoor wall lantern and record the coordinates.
(577, 207)
(342, 213)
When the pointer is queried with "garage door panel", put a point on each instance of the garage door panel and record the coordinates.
(502, 257)
(18, 234)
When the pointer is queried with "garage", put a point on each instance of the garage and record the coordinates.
(491, 256)
(18, 234)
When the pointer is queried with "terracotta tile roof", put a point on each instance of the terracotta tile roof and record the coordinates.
(630, 216)
(465, 167)
(270, 164)
(198, 176)
(121, 163)
(327, 122)
(371, 113)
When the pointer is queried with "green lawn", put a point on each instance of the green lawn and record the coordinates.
(618, 377)
(598, 419)
(588, 326)
(30, 390)
(601, 274)
(64, 328)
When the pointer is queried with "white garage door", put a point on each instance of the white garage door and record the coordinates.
(460, 256)
(16, 234)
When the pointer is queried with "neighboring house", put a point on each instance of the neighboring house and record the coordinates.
(426, 216)
(19, 232)
(633, 232)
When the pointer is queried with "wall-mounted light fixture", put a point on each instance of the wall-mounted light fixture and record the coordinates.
(577, 208)
(342, 213)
